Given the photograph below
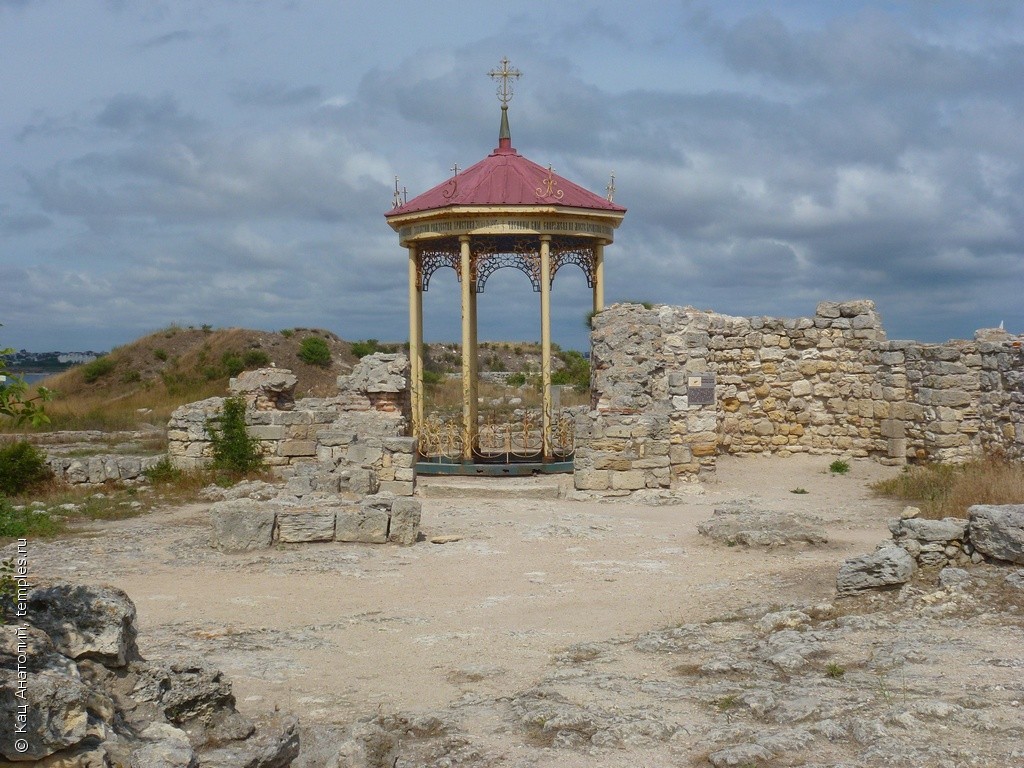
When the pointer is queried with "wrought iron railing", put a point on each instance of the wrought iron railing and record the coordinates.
(497, 440)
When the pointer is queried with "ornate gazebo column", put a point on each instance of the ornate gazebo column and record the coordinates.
(468, 285)
(598, 277)
(545, 336)
(415, 340)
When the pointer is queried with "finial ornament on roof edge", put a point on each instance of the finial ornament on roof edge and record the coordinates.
(505, 74)
(610, 189)
(401, 197)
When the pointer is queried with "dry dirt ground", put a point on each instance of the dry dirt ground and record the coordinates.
(584, 633)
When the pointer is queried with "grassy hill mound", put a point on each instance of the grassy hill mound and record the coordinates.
(144, 381)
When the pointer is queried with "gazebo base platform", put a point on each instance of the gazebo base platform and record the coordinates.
(474, 469)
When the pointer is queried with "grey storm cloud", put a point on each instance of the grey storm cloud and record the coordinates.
(264, 94)
(136, 113)
(168, 38)
(857, 155)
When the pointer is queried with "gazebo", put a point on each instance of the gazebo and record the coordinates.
(504, 211)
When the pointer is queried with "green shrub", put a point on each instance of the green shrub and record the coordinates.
(255, 358)
(19, 523)
(516, 379)
(576, 371)
(233, 449)
(160, 354)
(287, 332)
(232, 362)
(315, 351)
(432, 378)
(363, 348)
(131, 377)
(99, 367)
(207, 328)
(839, 467)
(162, 472)
(22, 466)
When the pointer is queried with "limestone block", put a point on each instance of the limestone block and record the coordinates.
(305, 524)
(397, 487)
(703, 450)
(297, 448)
(829, 309)
(405, 522)
(403, 460)
(77, 472)
(591, 479)
(701, 421)
(298, 486)
(273, 383)
(896, 448)
(893, 428)
(998, 531)
(651, 462)
(929, 531)
(335, 437)
(680, 454)
(631, 480)
(405, 474)
(801, 388)
(378, 373)
(888, 566)
(365, 454)
(361, 524)
(406, 445)
(242, 524)
(266, 432)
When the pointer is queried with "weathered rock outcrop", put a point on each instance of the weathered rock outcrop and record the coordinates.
(998, 531)
(886, 567)
(75, 693)
(741, 524)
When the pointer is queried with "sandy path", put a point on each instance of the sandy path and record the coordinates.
(333, 630)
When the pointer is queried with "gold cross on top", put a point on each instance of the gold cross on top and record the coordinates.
(504, 74)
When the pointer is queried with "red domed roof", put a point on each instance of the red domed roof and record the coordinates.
(505, 177)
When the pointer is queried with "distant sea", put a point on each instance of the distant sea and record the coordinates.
(31, 378)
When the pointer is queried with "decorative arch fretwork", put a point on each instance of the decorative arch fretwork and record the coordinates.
(493, 254)
(571, 251)
(489, 254)
(443, 254)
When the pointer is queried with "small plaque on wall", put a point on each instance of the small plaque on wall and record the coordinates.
(700, 390)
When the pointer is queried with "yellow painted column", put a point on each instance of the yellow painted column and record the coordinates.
(468, 351)
(545, 336)
(598, 277)
(474, 358)
(415, 343)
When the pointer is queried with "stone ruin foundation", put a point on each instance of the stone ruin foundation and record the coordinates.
(348, 466)
(675, 387)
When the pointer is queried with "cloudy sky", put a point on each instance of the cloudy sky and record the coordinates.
(230, 161)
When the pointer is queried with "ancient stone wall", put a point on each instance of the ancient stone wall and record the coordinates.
(355, 441)
(831, 383)
(99, 469)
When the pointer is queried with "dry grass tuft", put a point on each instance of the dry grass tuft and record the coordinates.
(945, 490)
